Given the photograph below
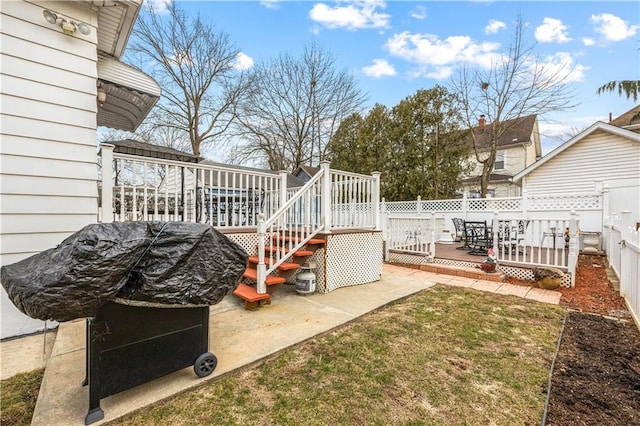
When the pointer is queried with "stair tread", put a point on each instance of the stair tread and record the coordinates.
(298, 253)
(286, 266)
(252, 274)
(249, 293)
(312, 241)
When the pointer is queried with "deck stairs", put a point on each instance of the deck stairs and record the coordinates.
(247, 291)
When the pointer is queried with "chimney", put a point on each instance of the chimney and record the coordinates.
(482, 123)
(610, 117)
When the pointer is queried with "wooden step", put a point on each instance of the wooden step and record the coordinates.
(298, 253)
(252, 274)
(286, 266)
(252, 299)
(312, 241)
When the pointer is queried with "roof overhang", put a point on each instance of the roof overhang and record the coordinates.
(130, 94)
(599, 125)
(115, 23)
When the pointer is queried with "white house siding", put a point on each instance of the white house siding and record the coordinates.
(600, 158)
(48, 136)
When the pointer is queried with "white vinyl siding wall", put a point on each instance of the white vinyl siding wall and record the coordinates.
(48, 187)
(601, 156)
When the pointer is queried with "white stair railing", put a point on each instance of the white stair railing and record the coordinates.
(291, 227)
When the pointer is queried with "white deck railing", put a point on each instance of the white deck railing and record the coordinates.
(530, 242)
(414, 235)
(140, 188)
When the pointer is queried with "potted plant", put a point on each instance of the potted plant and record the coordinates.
(547, 277)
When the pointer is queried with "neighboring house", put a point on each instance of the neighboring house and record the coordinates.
(61, 78)
(601, 154)
(305, 173)
(518, 148)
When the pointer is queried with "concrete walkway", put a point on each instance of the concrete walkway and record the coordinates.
(237, 337)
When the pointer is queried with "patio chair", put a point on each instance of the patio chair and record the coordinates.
(458, 224)
(478, 237)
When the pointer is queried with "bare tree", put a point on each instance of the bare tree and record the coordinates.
(516, 85)
(196, 67)
(292, 108)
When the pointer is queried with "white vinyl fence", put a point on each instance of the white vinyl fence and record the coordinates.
(622, 243)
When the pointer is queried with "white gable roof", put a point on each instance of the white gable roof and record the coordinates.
(598, 125)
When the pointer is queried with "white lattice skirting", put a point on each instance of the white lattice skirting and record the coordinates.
(348, 259)
(510, 271)
(408, 258)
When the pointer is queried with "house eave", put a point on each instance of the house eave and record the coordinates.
(130, 94)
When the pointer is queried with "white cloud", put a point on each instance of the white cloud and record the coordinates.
(357, 14)
(494, 26)
(436, 58)
(588, 41)
(428, 49)
(441, 73)
(612, 27)
(270, 4)
(160, 7)
(380, 68)
(243, 61)
(561, 64)
(552, 30)
(419, 12)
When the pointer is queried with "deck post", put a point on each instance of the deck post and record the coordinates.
(525, 203)
(465, 204)
(106, 153)
(283, 189)
(261, 269)
(432, 236)
(376, 200)
(495, 229)
(326, 195)
(572, 260)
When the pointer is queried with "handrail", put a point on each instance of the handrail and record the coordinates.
(289, 228)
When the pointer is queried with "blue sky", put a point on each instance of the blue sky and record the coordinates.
(394, 48)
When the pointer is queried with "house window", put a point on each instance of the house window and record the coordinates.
(499, 164)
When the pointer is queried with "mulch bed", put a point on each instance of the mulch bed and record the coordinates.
(596, 378)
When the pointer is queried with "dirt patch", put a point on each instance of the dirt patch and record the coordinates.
(596, 379)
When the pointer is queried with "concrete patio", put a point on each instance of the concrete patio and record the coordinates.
(237, 337)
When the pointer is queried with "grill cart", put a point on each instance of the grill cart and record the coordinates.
(130, 345)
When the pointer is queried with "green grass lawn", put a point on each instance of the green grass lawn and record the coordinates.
(444, 356)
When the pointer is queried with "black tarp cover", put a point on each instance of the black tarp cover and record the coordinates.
(166, 263)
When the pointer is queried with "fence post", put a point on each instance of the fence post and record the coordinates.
(572, 261)
(625, 225)
(106, 153)
(261, 278)
(283, 188)
(525, 203)
(326, 195)
(376, 200)
(495, 230)
(606, 218)
(433, 235)
(419, 205)
(465, 204)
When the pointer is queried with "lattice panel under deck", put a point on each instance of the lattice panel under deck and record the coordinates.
(410, 259)
(248, 241)
(351, 259)
(510, 271)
